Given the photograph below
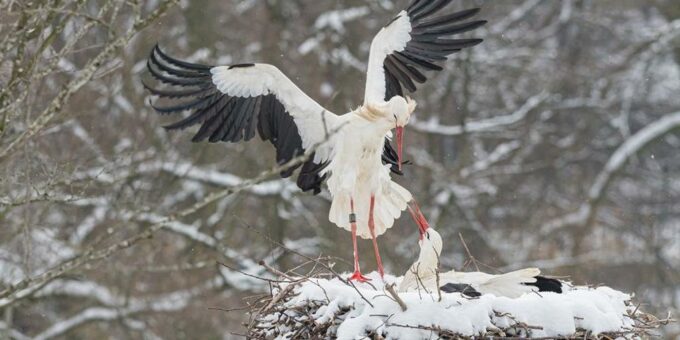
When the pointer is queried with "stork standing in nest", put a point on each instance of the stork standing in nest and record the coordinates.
(351, 152)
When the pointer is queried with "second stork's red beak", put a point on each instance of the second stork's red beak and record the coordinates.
(422, 228)
(419, 218)
(400, 141)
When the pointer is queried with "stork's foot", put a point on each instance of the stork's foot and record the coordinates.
(358, 277)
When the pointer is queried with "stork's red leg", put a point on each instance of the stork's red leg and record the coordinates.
(357, 276)
(371, 227)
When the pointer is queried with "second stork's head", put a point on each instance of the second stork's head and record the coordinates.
(393, 114)
(431, 245)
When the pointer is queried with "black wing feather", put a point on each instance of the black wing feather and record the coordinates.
(231, 119)
(268, 106)
(432, 56)
(389, 156)
(177, 93)
(428, 44)
(416, 61)
(198, 103)
(434, 7)
(183, 64)
(240, 124)
(308, 178)
(233, 123)
(392, 85)
(450, 29)
(414, 4)
(417, 6)
(200, 115)
(249, 128)
(177, 72)
(410, 72)
(448, 18)
(403, 78)
(173, 80)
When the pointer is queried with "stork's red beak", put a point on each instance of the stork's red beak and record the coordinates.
(418, 218)
(400, 140)
(422, 228)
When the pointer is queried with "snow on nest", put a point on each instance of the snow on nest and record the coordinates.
(338, 309)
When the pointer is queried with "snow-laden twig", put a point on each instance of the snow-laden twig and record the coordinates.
(166, 303)
(86, 75)
(515, 16)
(12, 333)
(30, 284)
(485, 125)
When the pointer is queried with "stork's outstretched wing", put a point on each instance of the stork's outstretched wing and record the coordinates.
(412, 42)
(232, 102)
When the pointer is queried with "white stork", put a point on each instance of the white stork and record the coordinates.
(234, 103)
(423, 275)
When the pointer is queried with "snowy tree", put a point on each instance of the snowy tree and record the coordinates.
(552, 144)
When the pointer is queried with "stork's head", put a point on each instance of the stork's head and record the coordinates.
(401, 108)
(430, 246)
(393, 114)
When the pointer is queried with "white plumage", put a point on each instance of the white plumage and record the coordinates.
(391, 38)
(422, 275)
(352, 143)
(352, 151)
(314, 123)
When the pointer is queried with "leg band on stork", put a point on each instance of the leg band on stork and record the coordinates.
(357, 276)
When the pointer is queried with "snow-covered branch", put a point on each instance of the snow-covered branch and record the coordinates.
(650, 133)
(172, 302)
(484, 125)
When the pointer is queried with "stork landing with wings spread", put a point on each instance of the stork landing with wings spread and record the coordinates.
(351, 152)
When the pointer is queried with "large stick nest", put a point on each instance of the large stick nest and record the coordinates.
(283, 314)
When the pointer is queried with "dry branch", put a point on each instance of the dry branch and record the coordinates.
(31, 283)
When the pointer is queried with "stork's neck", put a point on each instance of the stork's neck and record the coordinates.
(377, 118)
(428, 261)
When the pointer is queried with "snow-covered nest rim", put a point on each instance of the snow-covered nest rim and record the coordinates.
(327, 306)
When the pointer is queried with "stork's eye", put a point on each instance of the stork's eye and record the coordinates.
(395, 117)
(428, 235)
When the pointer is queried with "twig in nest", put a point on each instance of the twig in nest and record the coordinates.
(273, 302)
(249, 275)
(390, 289)
(274, 270)
(327, 267)
(467, 250)
(436, 273)
(227, 310)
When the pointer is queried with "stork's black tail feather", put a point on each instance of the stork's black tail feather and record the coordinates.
(462, 288)
(545, 284)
